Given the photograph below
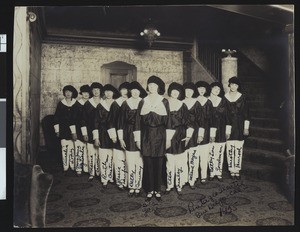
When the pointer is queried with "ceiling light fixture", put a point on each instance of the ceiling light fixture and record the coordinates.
(150, 33)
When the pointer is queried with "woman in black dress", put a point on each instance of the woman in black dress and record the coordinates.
(119, 159)
(87, 126)
(238, 112)
(193, 112)
(127, 120)
(64, 126)
(153, 134)
(205, 114)
(101, 132)
(219, 130)
(81, 161)
(177, 157)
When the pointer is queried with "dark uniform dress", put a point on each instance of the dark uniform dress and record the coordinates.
(114, 118)
(152, 122)
(87, 126)
(127, 122)
(238, 113)
(81, 161)
(205, 116)
(193, 112)
(177, 159)
(65, 119)
(134, 160)
(101, 126)
(193, 152)
(119, 159)
(219, 121)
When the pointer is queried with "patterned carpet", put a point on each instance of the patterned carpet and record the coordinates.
(75, 202)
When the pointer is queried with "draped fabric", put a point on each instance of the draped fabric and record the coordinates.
(152, 126)
(219, 119)
(238, 112)
(65, 116)
(101, 123)
(193, 118)
(87, 118)
(204, 120)
(179, 122)
(114, 115)
(126, 123)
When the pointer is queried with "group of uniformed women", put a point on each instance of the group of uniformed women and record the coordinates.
(124, 136)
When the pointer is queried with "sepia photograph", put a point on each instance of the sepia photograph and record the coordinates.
(153, 116)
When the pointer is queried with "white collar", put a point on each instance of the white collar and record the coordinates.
(104, 104)
(93, 103)
(157, 106)
(158, 99)
(190, 102)
(230, 98)
(132, 103)
(63, 101)
(120, 100)
(81, 101)
(175, 105)
(202, 100)
(215, 101)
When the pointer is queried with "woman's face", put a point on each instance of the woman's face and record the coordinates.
(233, 87)
(153, 88)
(85, 95)
(215, 90)
(175, 93)
(189, 93)
(202, 90)
(68, 94)
(135, 93)
(96, 92)
(124, 92)
(108, 94)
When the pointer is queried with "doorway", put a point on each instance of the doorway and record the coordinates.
(117, 72)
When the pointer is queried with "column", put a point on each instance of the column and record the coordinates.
(229, 69)
(21, 83)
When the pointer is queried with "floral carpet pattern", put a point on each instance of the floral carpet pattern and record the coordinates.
(75, 202)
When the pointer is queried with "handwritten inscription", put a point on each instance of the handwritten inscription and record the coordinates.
(213, 201)
(192, 165)
(230, 156)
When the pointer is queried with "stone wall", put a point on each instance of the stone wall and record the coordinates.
(81, 64)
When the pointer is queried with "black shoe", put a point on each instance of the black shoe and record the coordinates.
(158, 196)
(210, 178)
(192, 187)
(203, 182)
(232, 177)
(104, 186)
(90, 178)
(149, 196)
(238, 177)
